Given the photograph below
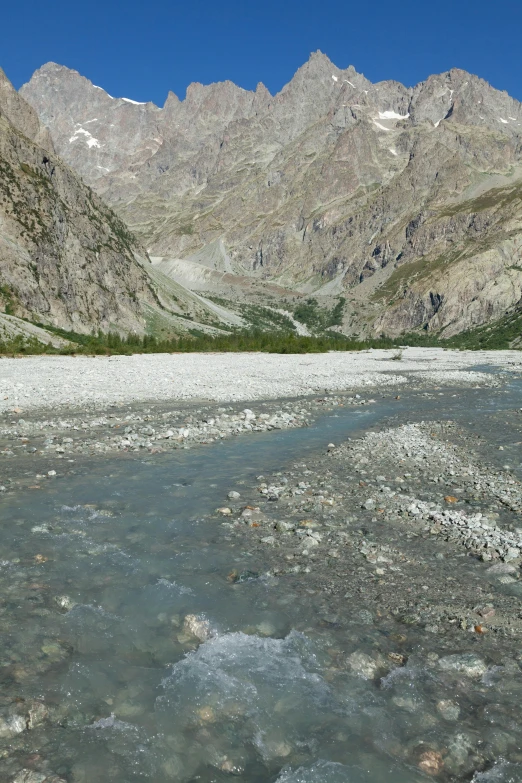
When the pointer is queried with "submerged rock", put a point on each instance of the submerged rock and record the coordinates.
(363, 665)
(431, 762)
(12, 725)
(468, 663)
(197, 626)
(448, 709)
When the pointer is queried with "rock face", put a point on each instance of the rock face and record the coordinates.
(65, 258)
(408, 201)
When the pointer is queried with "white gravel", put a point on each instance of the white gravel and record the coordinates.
(51, 381)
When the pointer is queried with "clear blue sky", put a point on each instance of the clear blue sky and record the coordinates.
(142, 48)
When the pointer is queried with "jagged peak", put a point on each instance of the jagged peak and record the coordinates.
(319, 57)
(53, 70)
(171, 100)
(262, 90)
(16, 110)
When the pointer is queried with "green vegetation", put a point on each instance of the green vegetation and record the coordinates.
(496, 197)
(504, 333)
(316, 317)
(186, 230)
(406, 274)
(253, 340)
(6, 296)
(499, 335)
(23, 346)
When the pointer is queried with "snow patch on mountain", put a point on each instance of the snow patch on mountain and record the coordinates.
(89, 138)
(105, 91)
(392, 115)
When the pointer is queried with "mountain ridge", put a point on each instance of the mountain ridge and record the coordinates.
(332, 181)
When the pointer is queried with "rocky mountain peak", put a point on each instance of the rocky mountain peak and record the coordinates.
(66, 259)
(171, 101)
(334, 184)
(21, 115)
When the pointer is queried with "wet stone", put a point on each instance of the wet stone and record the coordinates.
(468, 664)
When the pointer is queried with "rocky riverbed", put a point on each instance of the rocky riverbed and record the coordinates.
(414, 529)
(41, 447)
(317, 589)
(57, 412)
(397, 516)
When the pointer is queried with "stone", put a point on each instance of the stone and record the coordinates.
(468, 664)
(233, 495)
(197, 626)
(502, 568)
(64, 602)
(13, 725)
(28, 776)
(283, 527)
(37, 712)
(448, 709)
(431, 762)
(363, 665)
(206, 714)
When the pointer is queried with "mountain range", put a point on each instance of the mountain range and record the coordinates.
(404, 204)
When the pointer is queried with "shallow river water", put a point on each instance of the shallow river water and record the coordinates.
(97, 576)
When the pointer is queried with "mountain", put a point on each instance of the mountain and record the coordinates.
(66, 259)
(405, 201)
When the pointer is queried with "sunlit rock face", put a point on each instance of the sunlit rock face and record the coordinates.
(406, 200)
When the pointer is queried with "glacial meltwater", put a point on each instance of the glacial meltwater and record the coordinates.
(138, 659)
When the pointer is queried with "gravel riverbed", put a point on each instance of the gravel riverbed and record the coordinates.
(54, 382)
(392, 514)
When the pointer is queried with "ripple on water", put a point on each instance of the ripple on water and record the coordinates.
(247, 692)
(501, 772)
(321, 772)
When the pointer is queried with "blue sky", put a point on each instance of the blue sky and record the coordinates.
(142, 48)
